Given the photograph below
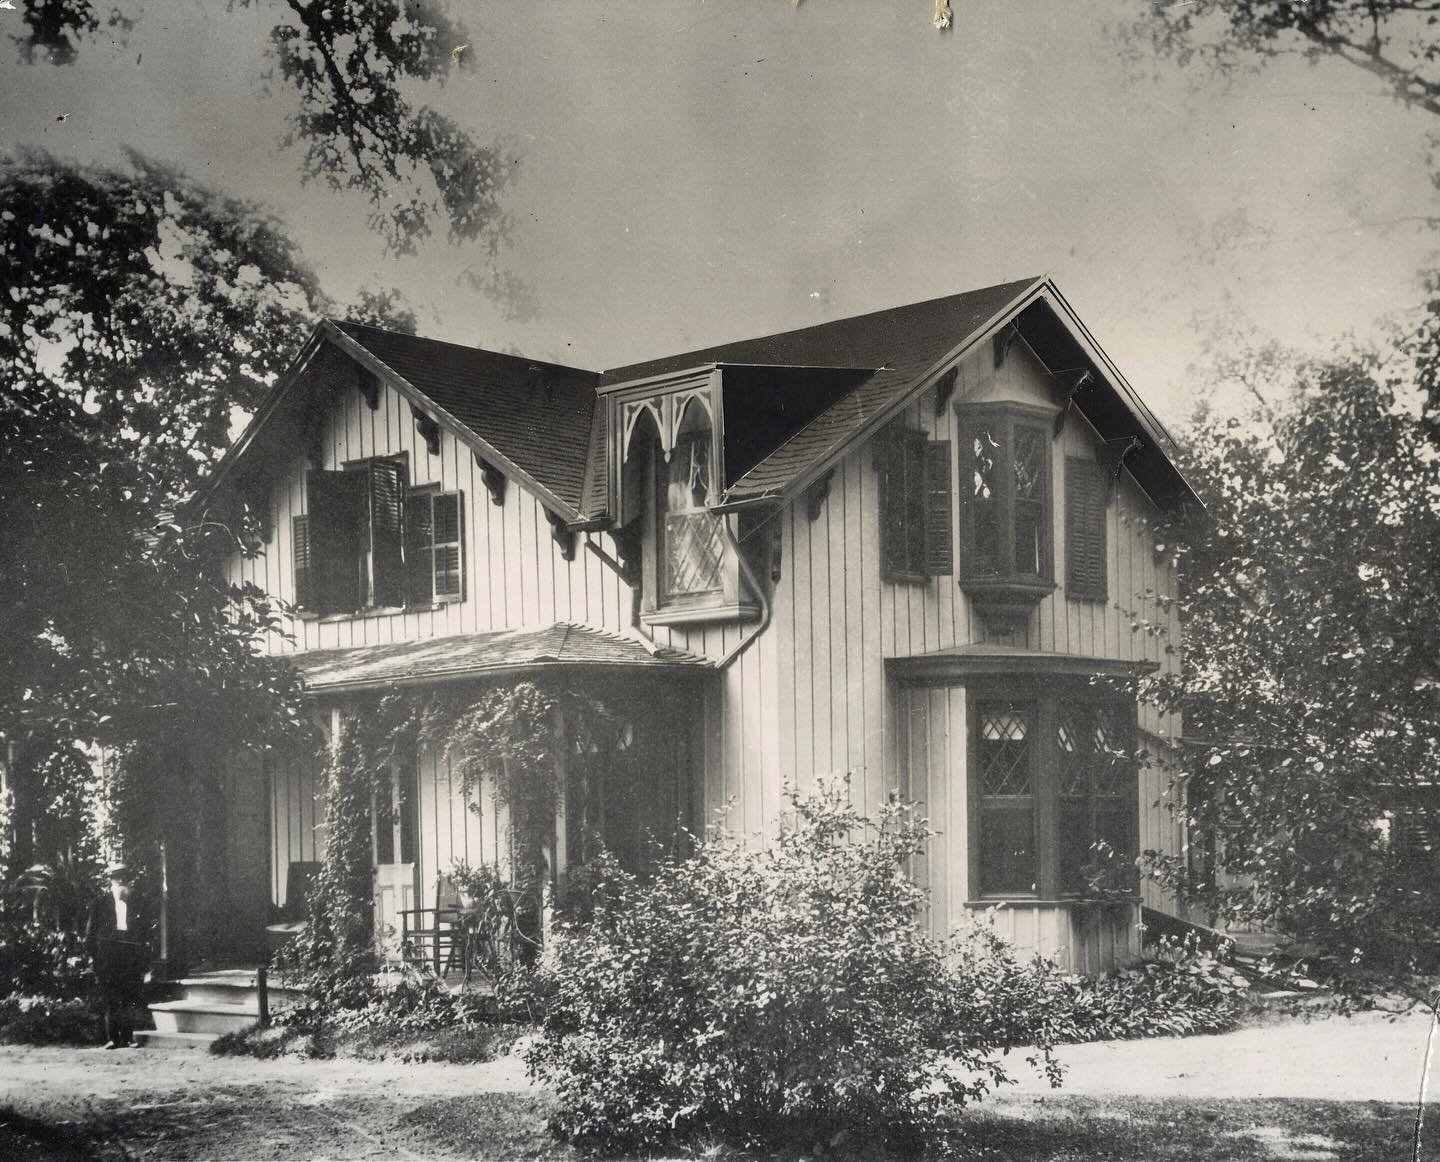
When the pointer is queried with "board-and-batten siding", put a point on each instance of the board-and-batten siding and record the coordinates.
(837, 620)
(515, 576)
(811, 694)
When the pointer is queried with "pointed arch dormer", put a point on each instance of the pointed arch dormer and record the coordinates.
(666, 491)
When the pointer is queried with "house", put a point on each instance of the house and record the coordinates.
(903, 545)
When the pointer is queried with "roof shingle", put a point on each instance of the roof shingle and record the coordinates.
(536, 414)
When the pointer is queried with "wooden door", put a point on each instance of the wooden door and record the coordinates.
(397, 857)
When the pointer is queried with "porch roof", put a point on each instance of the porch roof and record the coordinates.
(999, 658)
(478, 654)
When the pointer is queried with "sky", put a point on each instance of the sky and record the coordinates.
(693, 171)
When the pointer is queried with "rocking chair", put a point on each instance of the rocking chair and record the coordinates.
(438, 936)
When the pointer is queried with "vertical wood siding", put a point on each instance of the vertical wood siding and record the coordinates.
(811, 695)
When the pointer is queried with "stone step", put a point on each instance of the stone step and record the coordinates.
(211, 1017)
(235, 989)
(155, 1039)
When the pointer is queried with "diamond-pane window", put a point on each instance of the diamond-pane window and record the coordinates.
(1005, 753)
(1055, 793)
(693, 541)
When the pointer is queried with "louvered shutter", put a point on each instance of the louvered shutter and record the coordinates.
(889, 469)
(300, 551)
(387, 560)
(1086, 492)
(418, 566)
(339, 525)
(939, 556)
(447, 538)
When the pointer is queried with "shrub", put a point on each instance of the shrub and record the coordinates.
(778, 996)
(1177, 991)
(30, 1020)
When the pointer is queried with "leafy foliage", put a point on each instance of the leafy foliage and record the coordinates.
(783, 995)
(1394, 40)
(1176, 991)
(353, 65)
(1313, 676)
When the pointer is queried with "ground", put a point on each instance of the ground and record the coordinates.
(1335, 1088)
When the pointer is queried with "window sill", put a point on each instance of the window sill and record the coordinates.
(896, 578)
(389, 611)
(700, 614)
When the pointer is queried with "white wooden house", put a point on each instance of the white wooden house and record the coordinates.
(900, 545)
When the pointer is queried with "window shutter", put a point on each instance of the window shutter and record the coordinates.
(890, 469)
(939, 556)
(1086, 492)
(387, 560)
(448, 540)
(300, 549)
(339, 524)
(418, 569)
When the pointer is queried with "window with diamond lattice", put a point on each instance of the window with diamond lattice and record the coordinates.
(692, 549)
(1006, 473)
(1054, 794)
(1007, 799)
(1097, 800)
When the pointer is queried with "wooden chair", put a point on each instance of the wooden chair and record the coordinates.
(438, 935)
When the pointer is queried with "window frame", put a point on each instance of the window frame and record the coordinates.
(361, 555)
(1008, 417)
(431, 492)
(1044, 698)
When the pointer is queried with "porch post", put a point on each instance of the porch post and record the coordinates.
(557, 855)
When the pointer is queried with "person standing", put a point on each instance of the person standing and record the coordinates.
(120, 959)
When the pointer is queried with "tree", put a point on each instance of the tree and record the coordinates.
(1311, 691)
(1394, 40)
(143, 314)
(352, 65)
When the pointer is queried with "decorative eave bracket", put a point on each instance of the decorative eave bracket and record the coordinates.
(493, 479)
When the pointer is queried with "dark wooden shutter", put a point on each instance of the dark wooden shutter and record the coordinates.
(939, 555)
(1086, 494)
(892, 529)
(448, 539)
(300, 550)
(387, 558)
(418, 567)
(339, 524)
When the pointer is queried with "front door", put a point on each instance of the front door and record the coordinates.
(397, 838)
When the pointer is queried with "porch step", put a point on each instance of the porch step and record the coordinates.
(236, 986)
(155, 1039)
(210, 1017)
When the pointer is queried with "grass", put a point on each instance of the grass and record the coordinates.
(496, 1126)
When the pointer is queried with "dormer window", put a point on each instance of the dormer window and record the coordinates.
(692, 547)
(689, 567)
(1006, 564)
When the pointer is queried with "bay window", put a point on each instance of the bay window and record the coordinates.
(1054, 794)
(1006, 563)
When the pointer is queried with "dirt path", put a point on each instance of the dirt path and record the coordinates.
(61, 1103)
(1368, 1057)
(180, 1104)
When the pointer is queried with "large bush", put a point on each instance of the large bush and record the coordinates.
(786, 995)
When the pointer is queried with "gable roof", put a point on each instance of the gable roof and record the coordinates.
(536, 415)
(540, 422)
(900, 343)
(907, 346)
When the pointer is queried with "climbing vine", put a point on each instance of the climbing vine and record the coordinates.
(509, 741)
